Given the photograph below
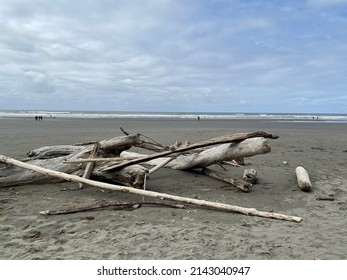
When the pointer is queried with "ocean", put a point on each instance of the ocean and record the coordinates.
(283, 117)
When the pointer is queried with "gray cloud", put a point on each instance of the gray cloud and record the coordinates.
(173, 55)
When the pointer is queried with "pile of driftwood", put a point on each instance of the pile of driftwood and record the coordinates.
(108, 165)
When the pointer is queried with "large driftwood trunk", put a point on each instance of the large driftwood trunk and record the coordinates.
(224, 152)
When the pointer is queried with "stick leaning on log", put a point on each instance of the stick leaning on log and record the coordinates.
(204, 203)
(235, 138)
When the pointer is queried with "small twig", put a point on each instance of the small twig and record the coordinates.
(123, 130)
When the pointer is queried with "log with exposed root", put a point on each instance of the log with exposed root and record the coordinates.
(163, 196)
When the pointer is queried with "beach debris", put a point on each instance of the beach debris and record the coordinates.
(109, 160)
(160, 196)
(250, 176)
(285, 162)
(303, 178)
(326, 198)
(111, 163)
(35, 234)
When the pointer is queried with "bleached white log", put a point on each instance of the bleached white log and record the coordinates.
(220, 153)
(234, 138)
(303, 178)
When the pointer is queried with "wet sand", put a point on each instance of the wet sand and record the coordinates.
(192, 233)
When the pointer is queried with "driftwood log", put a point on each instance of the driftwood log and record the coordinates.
(162, 196)
(303, 179)
(126, 171)
(224, 152)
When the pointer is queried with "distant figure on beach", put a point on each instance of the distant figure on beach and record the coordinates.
(36, 118)
(198, 118)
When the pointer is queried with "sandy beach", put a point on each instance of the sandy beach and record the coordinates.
(192, 233)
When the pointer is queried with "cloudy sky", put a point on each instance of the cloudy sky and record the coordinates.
(174, 55)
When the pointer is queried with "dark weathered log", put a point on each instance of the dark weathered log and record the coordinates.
(102, 205)
(114, 205)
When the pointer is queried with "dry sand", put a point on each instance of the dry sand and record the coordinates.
(194, 233)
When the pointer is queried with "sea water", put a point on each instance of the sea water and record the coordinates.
(284, 117)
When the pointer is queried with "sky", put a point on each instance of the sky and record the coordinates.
(174, 55)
